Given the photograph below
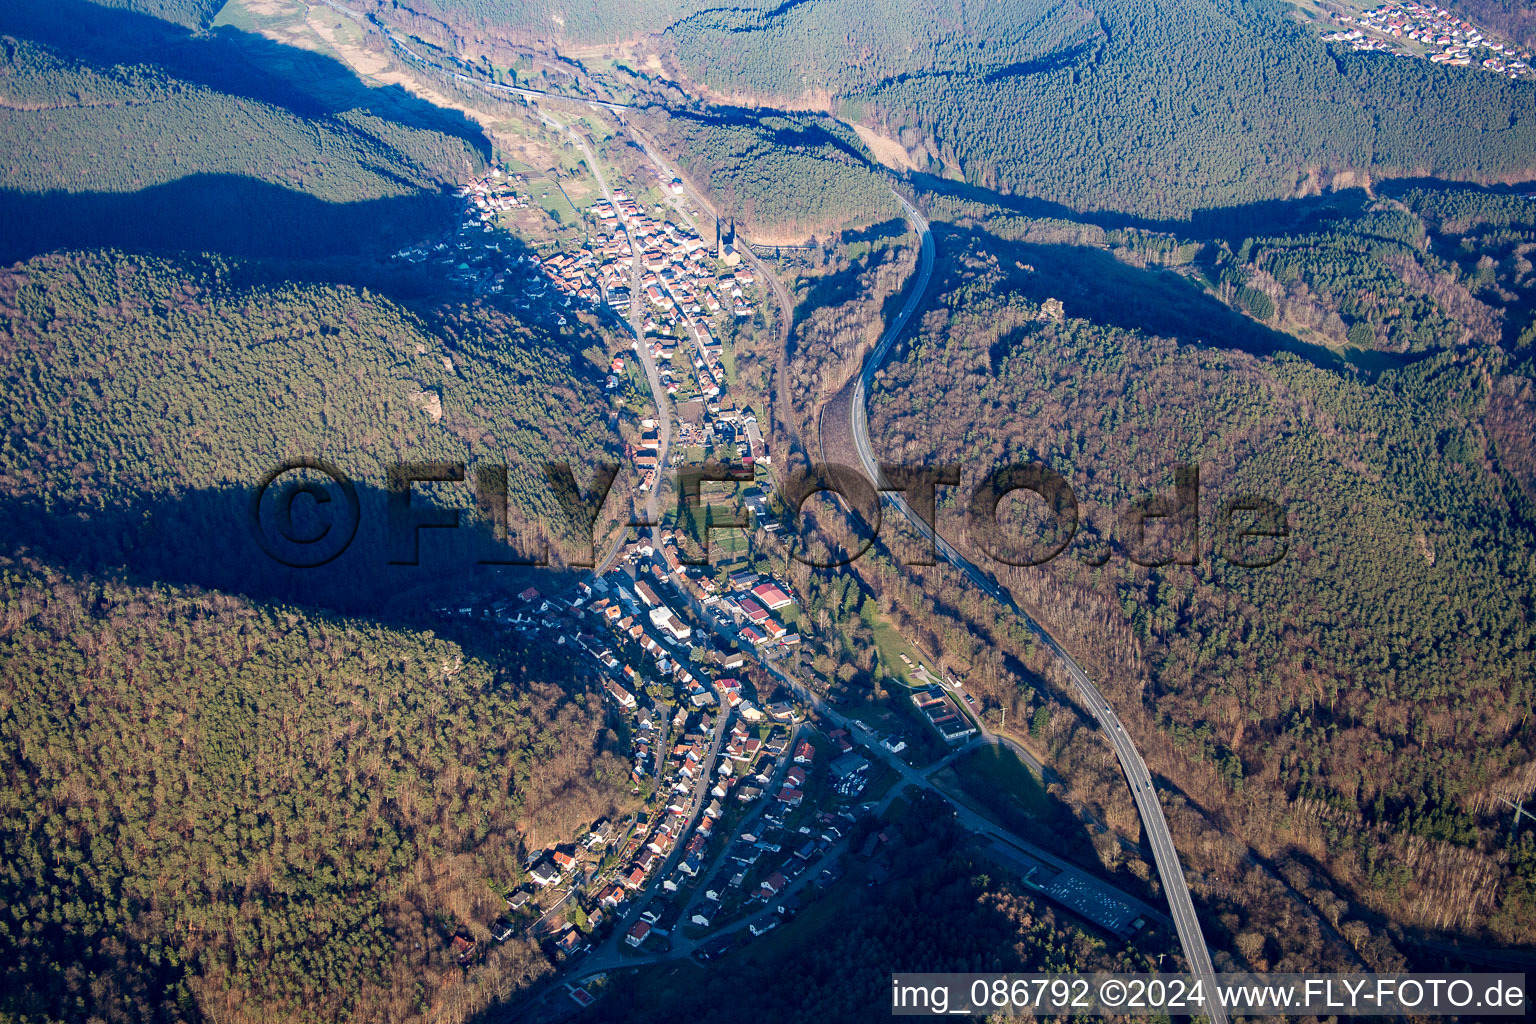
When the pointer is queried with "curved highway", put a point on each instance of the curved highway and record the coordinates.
(1166, 856)
(1180, 904)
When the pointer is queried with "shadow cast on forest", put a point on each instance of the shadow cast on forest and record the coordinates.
(1094, 285)
(887, 230)
(227, 60)
(938, 903)
(1234, 222)
(221, 213)
(274, 235)
(803, 134)
(829, 290)
(207, 538)
(1227, 223)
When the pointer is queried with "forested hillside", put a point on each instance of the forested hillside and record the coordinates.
(1370, 692)
(525, 21)
(148, 397)
(241, 785)
(190, 13)
(1345, 282)
(131, 155)
(225, 800)
(1155, 109)
(215, 810)
(1428, 269)
(840, 317)
(124, 128)
(781, 179)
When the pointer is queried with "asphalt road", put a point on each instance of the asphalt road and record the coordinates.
(637, 327)
(713, 867)
(919, 777)
(652, 375)
(780, 293)
(697, 802)
(1154, 823)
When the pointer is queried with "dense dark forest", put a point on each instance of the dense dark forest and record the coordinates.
(1431, 270)
(188, 13)
(150, 396)
(1370, 692)
(840, 318)
(216, 810)
(242, 789)
(225, 800)
(124, 128)
(1157, 110)
(137, 157)
(779, 178)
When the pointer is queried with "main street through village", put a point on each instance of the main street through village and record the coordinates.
(611, 954)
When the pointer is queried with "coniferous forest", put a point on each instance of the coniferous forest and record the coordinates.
(1366, 699)
(1156, 110)
(236, 790)
(1168, 233)
(219, 809)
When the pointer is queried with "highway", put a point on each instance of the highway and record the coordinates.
(972, 820)
(909, 775)
(1155, 824)
(1182, 907)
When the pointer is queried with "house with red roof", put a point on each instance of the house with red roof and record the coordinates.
(771, 596)
(773, 884)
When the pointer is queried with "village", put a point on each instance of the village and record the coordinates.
(756, 795)
(1439, 34)
(684, 281)
(741, 797)
(688, 289)
(747, 802)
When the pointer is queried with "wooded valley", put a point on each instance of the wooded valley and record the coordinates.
(1368, 693)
